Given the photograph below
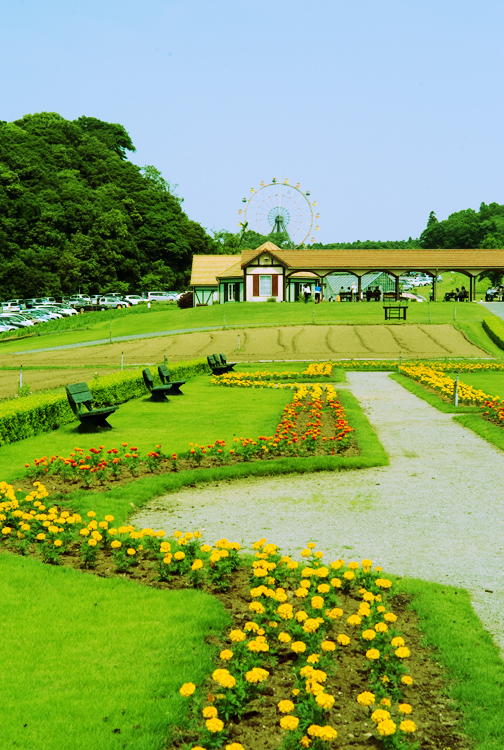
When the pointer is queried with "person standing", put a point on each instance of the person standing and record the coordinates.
(318, 293)
(306, 292)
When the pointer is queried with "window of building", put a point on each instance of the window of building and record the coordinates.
(265, 286)
(231, 292)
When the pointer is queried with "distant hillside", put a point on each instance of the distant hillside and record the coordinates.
(75, 214)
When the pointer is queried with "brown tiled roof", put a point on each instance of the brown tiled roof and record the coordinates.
(383, 259)
(206, 268)
(231, 272)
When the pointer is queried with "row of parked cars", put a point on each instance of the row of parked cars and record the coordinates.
(21, 313)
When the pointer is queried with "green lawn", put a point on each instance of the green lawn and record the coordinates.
(489, 382)
(246, 314)
(95, 664)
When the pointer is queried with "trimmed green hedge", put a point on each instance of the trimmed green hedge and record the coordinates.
(494, 327)
(42, 412)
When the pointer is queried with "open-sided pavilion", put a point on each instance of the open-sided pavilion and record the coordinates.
(288, 269)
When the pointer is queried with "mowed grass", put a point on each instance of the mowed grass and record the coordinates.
(201, 415)
(170, 318)
(95, 664)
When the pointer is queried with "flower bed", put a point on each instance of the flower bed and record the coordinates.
(313, 423)
(314, 371)
(315, 653)
(444, 384)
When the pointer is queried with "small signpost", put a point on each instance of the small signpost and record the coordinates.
(455, 390)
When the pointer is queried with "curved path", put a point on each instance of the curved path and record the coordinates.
(435, 513)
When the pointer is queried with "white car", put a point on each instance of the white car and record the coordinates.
(162, 296)
(134, 299)
(16, 320)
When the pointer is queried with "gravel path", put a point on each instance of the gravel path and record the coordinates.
(435, 513)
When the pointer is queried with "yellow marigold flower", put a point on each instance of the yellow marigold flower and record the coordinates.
(168, 558)
(405, 708)
(311, 625)
(402, 652)
(328, 646)
(236, 636)
(96, 535)
(198, 534)
(381, 608)
(289, 722)
(354, 620)
(323, 588)
(383, 583)
(381, 627)
(285, 611)
(406, 679)
(205, 548)
(353, 565)
(313, 658)
(234, 746)
(343, 639)
(305, 741)
(131, 551)
(386, 728)
(325, 701)
(92, 525)
(317, 602)
(252, 626)
(214, 725)
(349, 575)
(385, 679)
(407, 726)
(209, 712)
(293, 565)
(298, 647)
(380, 715)
(335, 613)
(115, 544)
(366, 563)
(197, 565)
(256, 675)
(284, 637)
(257, 646)
(397, 641)
(164, 547)
(368, 635)
(92, 542)
(177, 534)
(319, 554)
(301, 592)
(260, 572)
(366, 699)
(311, 545)
(40, 537)
(314, 730)
(285, 706)
(305, 553)
(385, 701)
(91, 514)
(58, 542)
(179, 555)
(368, 597)
(187, 689)
(390, 617)
(372, 653)
(224, 678)
(301, 615)
(226, 655)
(327, 734)
(256, 607)
(337, 564)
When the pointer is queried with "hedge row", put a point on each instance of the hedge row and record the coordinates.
(494, 327)
(42, 412)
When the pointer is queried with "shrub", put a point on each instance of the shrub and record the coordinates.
(185, 300)
(494, 327)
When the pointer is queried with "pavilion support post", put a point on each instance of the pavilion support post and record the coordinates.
(472, 289)
(359, 288)
(397, 293)
(434, 288)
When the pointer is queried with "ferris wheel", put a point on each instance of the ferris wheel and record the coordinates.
(278, 207)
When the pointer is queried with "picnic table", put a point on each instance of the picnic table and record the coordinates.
(395, 312)
(81, 399)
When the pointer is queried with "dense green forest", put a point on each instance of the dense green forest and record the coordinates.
(75, 214)
(468, 228)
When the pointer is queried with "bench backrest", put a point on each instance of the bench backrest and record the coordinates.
(213, 361)
(78, 394)
(148, 379)
(164, 373)
(223, 359)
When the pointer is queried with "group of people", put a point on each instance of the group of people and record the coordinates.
(459, 295)
(348, 295)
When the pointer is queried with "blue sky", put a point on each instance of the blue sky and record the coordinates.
(384, 111)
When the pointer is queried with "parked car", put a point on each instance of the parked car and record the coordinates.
(60, 310)
(18, 321)
(109, 303)
(162, 296)
(13, 304)
(134, 299)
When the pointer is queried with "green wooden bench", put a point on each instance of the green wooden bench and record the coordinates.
(80, 399)
(216, 365)
(165, 376)
(158, 392)
(224, 361)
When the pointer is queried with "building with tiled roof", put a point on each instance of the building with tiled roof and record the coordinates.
(268, 271)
